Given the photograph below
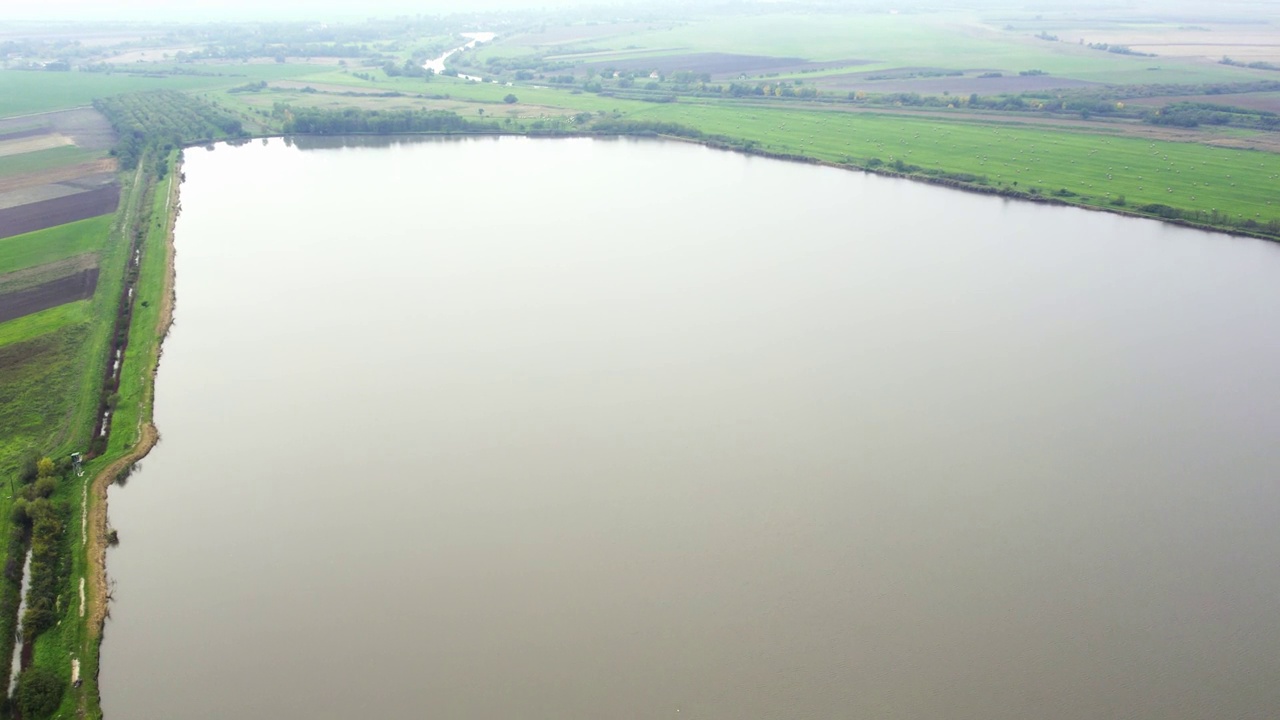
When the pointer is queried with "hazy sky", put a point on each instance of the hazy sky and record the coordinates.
(257, 9)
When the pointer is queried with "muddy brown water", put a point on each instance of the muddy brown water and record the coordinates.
(511, 428)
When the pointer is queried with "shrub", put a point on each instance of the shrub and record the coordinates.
(45, 486)
(39, 692)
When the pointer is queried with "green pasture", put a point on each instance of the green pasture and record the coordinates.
(43, 322)
(1099, 168)
(55, 243)
(38, 383)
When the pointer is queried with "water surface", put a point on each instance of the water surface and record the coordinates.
(508, 428)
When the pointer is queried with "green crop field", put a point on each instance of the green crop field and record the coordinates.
(46, 321)
(1097, 167)
(37, 384)
(55, 243)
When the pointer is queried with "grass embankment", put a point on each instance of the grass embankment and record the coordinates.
(132, 436)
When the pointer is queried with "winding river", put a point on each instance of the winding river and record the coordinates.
(437, 65)
(515, 428)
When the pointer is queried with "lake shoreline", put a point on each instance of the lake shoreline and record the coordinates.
(97, 599)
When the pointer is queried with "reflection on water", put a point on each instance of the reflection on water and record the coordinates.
(574, 429)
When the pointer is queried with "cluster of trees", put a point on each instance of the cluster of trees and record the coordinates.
(410, 68)
(44, 521)
(763, 89)
(1193, 114)
(1258, 65)
(60, 49)
(163, 120)
(901, 166)
(378, 122)
(249, 87)
(1119, 49)
(900, 75)
(39, 692)
(622, 126)
(525, 67)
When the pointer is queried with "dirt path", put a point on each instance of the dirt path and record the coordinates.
(97, 540)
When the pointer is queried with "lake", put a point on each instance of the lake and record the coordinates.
(517, 428)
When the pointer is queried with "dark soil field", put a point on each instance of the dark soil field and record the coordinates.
(19, 134)
(30, 277)
(79, 286)
(721, 65)
(48, 213)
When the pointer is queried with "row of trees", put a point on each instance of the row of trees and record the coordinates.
(1257, 65)
(1193, 114)
(41, 521)
(164, 120)
(378, 122)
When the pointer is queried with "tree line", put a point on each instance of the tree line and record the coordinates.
(377, 122)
